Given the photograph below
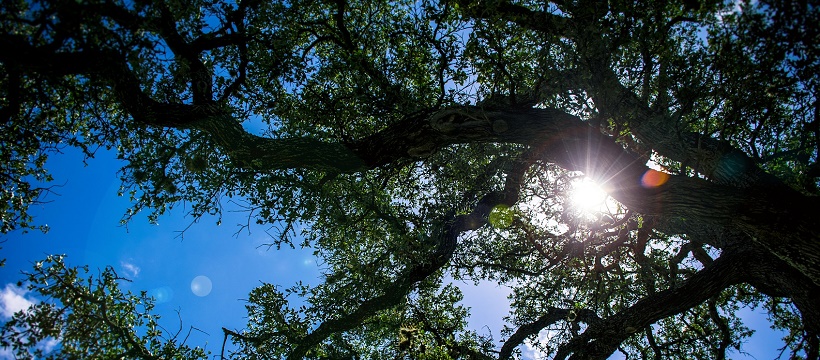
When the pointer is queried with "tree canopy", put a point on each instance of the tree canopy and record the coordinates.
(410, 142)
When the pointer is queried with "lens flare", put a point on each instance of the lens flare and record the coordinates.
(201, 286)
(162, 294)
(654, 178)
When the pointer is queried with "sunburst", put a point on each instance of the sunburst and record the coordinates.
(588, 197)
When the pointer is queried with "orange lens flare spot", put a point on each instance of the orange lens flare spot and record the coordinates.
(653, 178)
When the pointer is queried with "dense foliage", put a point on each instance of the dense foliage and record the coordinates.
(419, 140)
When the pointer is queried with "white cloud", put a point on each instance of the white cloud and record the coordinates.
(48, 344)
(12, 300)
(131, 270)
(531, 351)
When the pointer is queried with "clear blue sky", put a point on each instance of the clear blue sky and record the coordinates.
(84, 223)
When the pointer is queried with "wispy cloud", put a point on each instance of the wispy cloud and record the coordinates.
(12, 300)
(131, 270)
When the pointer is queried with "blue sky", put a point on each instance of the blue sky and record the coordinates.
(84, 222)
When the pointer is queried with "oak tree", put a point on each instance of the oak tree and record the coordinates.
(411, 142)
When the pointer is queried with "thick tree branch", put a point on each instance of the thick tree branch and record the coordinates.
(443, 338)
(780, 220)
(602, 338)
(445, 236)
(775, 217)
(767, 273)
(201, 82)
(725, 331)
(246, 149)
(774, 277)
(717, 159)
(542, 21)
(789, 231)
(552, 316)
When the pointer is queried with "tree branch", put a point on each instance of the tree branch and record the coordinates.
(201, 82)
(552, 316)
(779, 219)
(601, 339)
(542, 21)
(445, 235)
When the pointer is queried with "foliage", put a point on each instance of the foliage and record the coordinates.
(88, 317)
(410, 142)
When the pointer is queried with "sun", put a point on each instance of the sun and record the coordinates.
(588, 197)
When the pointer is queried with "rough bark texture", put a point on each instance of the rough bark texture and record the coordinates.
(767, 231)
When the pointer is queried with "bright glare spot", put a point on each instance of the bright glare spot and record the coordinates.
(588, 196)
(201, 286)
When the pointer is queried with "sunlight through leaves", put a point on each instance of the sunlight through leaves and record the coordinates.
(501, 216)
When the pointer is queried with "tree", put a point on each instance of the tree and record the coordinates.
(88, 317)
(418, 139)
